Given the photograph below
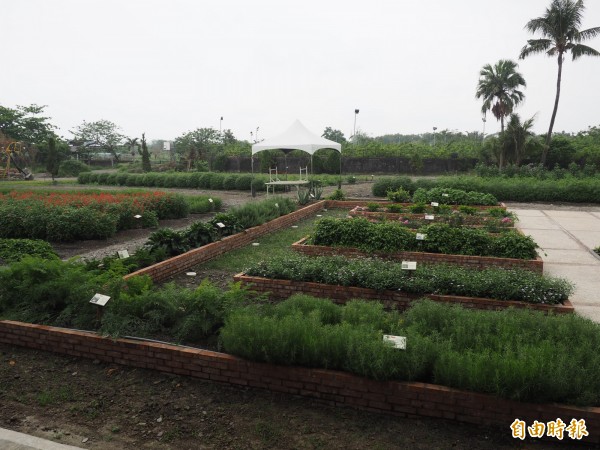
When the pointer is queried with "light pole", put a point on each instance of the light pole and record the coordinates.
(256, 135)
(434, 128)
(356, 111)
(221, 124)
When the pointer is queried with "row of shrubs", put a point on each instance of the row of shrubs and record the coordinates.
(575, 190)
(193, 180)
(64, 223)
(538, 171)
(516, 354)
(494, 283)
(443, 196)
(394, 236)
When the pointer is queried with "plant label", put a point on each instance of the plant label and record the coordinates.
(445, 195)
(421, 236)
(435, 204)
(409, 265)
(100, 299)
(123, 254)
(429, 217)
(319, 215)
(398, 342)
(256, 244)
(294, 226)
(220, 224)
(137, 216)
(191, 274)
(210, 200)
(276, 205)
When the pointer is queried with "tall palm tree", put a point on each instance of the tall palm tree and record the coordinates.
(132, 143)
(498, 86)
(559, 27)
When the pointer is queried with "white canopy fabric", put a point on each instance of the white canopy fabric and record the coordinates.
(296, 137)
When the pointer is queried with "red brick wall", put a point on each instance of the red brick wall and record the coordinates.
(165, 269)
(349, 204)
(281, 289)
(336, 388)
(473, 262)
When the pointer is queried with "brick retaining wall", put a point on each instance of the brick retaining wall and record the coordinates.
(165, 269)
(349, 204)
(282, 289)
(472, 262)
(406, 399)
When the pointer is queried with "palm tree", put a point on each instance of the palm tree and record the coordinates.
(518, 137)
(498, 86)
(559, 27)
(132, 143)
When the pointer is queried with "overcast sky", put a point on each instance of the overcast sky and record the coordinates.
(167, 67)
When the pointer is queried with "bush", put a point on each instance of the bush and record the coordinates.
(12, 250)
(384, 185)
(500, 284)
(256, 213)
(399, 196)
(338, 194)
(72, 168)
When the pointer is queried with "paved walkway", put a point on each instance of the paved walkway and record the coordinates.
(12, 440)
(567, 238)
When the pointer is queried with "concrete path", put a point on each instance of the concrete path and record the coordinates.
(12, 440)
(567, 238)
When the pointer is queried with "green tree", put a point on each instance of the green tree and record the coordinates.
(200, 144)
(102, 133)
(559, 27)
(26, 124)
(498, 87)
(133, 145)
(52, 161)
(146, 166)
(334, 135)
(518, 138)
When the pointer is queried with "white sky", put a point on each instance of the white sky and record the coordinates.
(167, 67)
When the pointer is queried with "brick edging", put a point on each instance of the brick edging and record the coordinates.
(349, 204)
(406, 399)
(282, 289)
(473, 262)
(172, 266)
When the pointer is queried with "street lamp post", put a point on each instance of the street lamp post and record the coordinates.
(221, 124)
(356, 111)
(434, 128)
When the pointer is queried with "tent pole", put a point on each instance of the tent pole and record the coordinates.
(252, 182)
(340, 180)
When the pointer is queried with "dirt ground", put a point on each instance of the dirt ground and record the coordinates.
(104, 406)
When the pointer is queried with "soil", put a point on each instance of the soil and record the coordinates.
(105, 406)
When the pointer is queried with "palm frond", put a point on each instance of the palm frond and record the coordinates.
(535, 46)
(590, 33)
(579, 50)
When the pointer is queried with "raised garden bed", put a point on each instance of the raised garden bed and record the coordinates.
(405, 399)
(477, 262)
(282, 289)
(349, 204)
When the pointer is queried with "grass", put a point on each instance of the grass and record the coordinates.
(276, 244)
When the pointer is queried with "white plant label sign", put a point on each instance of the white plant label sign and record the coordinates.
(123, 254)
(409, 265)
(100, 299)
(429, 217)
(435, 204)
(398, 342)
(421, 236)
(220, 224)
(445, 195)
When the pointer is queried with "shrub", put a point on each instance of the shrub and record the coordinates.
(72, 168)
(338, 194)
(200, 204)
(256, 213)
(226, 224)
(399, 196)
(169, 241)
(12, 250)
(397, 209)
(243, 182)
(500, 284)
(199, 234)
(384, 185)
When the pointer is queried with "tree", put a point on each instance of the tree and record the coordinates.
(26, 124)
(334, 135)
(201, 143)
(131, 144)
(146, 166)
(518, 138)
(102, 133)
(52, 158)
(498, 86)
(559, 27)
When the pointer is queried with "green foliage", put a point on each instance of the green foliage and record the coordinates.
(338, 194)
(169, 241)
(500, 284)
(387, 184)
(201, 204)
(453, 197)
(256, 213)
(399, 196)
(72, 168)
(12, 250)
(391, 236)
(199, 234)
(508, 353)
(226, 224)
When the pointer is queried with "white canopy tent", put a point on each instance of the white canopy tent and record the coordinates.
(297, 137)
